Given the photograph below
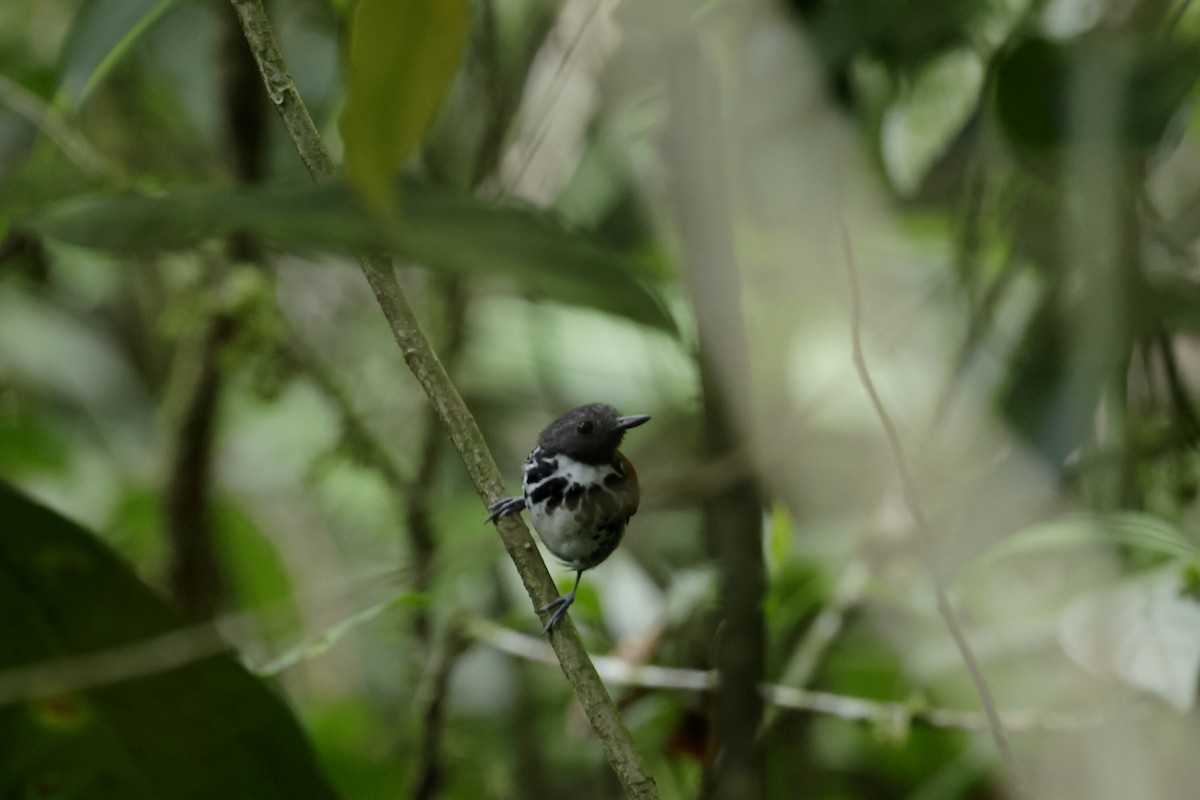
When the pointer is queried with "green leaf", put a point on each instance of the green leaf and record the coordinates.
(402, 57)
(1131, 529)
(103, 33)
(194, 730)
(441, 230)
(1144, 632)
(256, 574)
(929, 113)
(1038, 88)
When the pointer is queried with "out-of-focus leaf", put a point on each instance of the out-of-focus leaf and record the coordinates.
(779, 542)
(30, 443)
(104, 31)
(402, 57)
(1131, 529)
(441, 229)
(256, 573)
(1145, 632)
(1038, 86)
(919, 126)
(63, 596)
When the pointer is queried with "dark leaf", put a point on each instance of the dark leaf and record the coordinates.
(195, 730)
(1041, 84)
(441, 229)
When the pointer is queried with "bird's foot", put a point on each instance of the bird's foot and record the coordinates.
(559, 608)
(502, 508)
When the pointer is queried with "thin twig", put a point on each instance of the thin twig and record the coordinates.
(86, 158)
(457, 419)
(183, 646)
(620, 672)
(912, 500)
(430, 701)
(153, 654)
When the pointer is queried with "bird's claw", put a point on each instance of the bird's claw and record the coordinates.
(558, 606)
(502, 508)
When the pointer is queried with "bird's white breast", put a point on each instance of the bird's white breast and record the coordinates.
(559, 528)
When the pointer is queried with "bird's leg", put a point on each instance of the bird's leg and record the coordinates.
(502, 508)
(560, 605)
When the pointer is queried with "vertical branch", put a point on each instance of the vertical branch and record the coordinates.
(195, 577)
(194, 573)
(455, 417)
(912, 500)
(733, 512)
(430, 701)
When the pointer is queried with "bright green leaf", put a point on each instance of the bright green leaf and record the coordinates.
(113, 731)
(402, 57)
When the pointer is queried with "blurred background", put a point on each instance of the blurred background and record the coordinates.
(685, 209)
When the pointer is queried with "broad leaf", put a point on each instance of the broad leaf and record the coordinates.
(919, 127)
(441, 230)
(82, 715)
(1144, 632)
(1130, 529)
(402, 54)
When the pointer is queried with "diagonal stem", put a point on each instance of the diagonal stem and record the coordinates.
(912, 500)
(455, 417)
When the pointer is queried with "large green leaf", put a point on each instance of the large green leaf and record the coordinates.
(104, 32)
(402, 56)
(194, 730)
(441, 229)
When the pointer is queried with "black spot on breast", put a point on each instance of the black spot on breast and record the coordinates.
(572, 496)
(550, 493)
(539, 468)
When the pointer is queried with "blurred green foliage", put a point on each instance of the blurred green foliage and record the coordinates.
(178, 348)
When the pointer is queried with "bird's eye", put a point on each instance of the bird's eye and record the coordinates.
(585, 427)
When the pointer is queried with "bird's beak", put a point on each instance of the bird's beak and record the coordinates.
(625, 423)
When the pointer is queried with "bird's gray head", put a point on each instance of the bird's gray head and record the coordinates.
(590, 433)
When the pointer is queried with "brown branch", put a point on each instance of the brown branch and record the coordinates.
(430, 701)
(455, 417)
(194, 573)
(912, 500)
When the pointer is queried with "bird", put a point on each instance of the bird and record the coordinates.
(580, 491)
